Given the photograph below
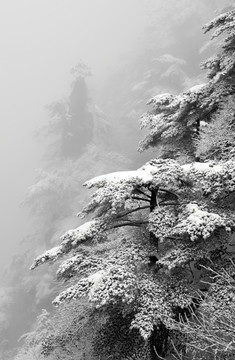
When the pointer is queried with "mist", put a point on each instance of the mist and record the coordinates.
(40, 42)
(135, 50)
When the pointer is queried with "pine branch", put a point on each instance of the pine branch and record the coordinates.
(143, 193)
(137, 224)
(141, 199)
(163, 203)
(169, 192)
(133, 210)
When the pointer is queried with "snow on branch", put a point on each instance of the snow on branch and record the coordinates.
(49, 255)
(203, 168)
(88, 261)
(197, 223)
(81, 264)
(222, 23)
(221, 66)
(116, 188)
(157, 298)
(174, 120)
(151, 171)
(70, 240)
(143, 176)
(171, 116)
(215, 179)
(103, 287)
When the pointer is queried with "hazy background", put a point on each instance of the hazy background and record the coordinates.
(135, 49)
(40, 41)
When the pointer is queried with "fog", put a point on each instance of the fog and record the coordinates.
(40, 42)
(135, 49)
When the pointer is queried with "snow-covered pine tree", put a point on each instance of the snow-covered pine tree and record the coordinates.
(176, 120)
(180, 211)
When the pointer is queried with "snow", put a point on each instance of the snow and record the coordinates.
(203, 123)
(202, 167)
(112, 177)
(192, 207)
(96, 277)
(198, 216)
(49, 255)
(196, 88)
(94, 280)
(116, 177)
(80, 234)
(161, 99)
(151, 172)
(54, 251)
(68, 264)
(84, 228)
(201, 223)
(69, 240)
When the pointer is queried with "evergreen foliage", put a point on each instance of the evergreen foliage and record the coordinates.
(182, 231)
(54, 199)
(33, 340)
(216, 140)
(181, 217)
(176, 120)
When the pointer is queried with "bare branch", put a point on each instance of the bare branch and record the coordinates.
(141, 199)
(169, 192)
(137, 224)
(133, 210)
(142, 192)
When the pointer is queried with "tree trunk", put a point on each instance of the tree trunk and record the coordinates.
(158, 342)
(159, 337)
(153, 203)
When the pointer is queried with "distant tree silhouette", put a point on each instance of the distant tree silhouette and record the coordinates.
(180, 207)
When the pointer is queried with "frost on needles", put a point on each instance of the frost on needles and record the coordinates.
(185, 223)
(149, 231)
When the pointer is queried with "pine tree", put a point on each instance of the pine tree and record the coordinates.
(177, 211)
(53, 199)
(33, 339)
(176, 120)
